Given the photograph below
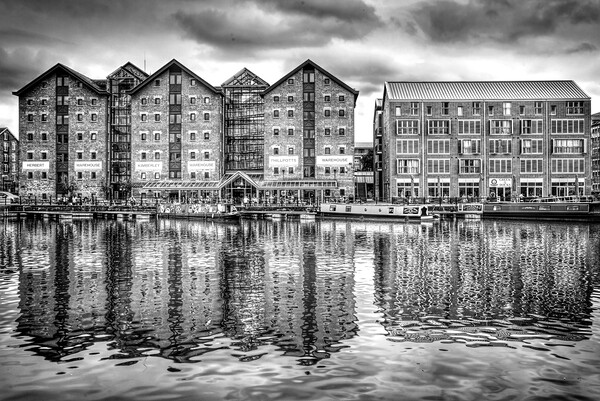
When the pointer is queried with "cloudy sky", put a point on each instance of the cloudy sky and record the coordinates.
(362, 42)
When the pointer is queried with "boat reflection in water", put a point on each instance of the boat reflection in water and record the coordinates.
(359, 307)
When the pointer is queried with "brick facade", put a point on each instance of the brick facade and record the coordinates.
(86, 133)
(71, 143)
(482, 148)
(10, 161)
(333, 132)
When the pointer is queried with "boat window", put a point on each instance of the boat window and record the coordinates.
(348, 208)
(332, 208)
(391, 210)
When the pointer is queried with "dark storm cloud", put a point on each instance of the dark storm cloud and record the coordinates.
(363, 72)
(350, 11)
(65, 8)
(366, 74)
(18, 37)
(583, 48)
(19, 67)
(279, 25)
(503, 21)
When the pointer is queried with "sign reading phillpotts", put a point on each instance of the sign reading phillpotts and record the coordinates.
(148, 166)
(334, 160)
(87, 166)
(36, 166)
(283, 161)
(201, 165)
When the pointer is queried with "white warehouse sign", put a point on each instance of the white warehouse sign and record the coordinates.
(334, 160)
(36, 165)
(87, 166)
(204, 165)
(283, 161)
(148, 166)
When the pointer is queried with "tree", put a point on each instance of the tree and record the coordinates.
(68, 186)
(105, 188)
(366, 161)
(125, 188)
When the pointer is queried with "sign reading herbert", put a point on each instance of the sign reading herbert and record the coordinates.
(201, 165)
(283, 161)
(87, 166)
(334, 160)
(36, 165)
(501, 182)
(148, 166)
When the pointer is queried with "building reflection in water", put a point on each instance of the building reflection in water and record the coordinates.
(180, 290)
(170, 288)
(486, 283)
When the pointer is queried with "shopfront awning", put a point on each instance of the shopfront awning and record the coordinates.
(176, 185)
(363, 179)
(313, 184)
(172, 185)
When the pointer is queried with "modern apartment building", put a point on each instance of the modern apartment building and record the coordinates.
(595, 140)
(482, 139)
(10, 161)
(378, 150)
(172, 134)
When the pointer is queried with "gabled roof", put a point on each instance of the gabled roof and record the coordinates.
(4, 129)
(484, 90)
(238, 174)
(316, 67)
(134, 69)
(245, 77)
(86, 81)
(164, 68)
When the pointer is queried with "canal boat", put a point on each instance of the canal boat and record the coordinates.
(544, 209)
(422, 211)
(386, 211)
(220, 211)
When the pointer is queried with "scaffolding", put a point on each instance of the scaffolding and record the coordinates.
(244, 123)
(119, 83)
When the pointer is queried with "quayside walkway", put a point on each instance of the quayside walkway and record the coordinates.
(62, 212)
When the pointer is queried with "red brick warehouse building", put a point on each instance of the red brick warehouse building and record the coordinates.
(172, 134)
